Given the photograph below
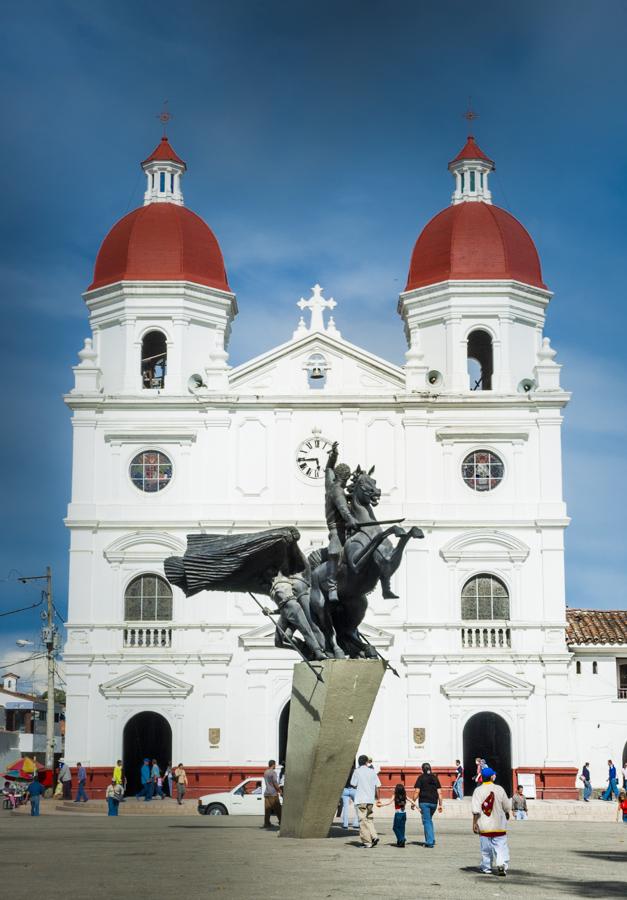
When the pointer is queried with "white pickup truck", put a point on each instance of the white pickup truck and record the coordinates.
(244, 800)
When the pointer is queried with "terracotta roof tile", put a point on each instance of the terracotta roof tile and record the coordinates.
(596, 626)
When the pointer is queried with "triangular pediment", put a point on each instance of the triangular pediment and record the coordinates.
(146, 682)
(487, 681)
(262, 637)
(351, 369)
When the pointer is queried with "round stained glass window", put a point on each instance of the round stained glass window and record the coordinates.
(482, 470)
(151, 471)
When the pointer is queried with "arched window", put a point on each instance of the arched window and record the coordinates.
(485, 597)
(595, 668)
(148, 598)
(578, 667)
(480, 360)
(154, 359)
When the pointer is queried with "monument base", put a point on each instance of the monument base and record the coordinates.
(327, 723)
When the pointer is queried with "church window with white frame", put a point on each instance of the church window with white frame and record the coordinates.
(484, 597)
(482, 470)
(148, 598)
(151, 471)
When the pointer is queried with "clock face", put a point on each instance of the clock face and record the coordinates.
(312, 455)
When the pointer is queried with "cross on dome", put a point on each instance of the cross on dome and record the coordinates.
(164, 117)
(316, 305)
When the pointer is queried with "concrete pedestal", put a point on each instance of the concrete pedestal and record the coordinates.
(327, 722)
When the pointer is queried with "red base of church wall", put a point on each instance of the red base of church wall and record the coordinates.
(551, 783)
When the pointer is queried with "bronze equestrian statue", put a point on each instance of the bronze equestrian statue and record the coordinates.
(322, 598)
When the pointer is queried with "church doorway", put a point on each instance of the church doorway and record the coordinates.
(487, 735)
(284, 721)
(147, 734)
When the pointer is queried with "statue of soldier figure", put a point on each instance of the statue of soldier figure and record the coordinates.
(291, 596)
(338, 515)
(340, 522)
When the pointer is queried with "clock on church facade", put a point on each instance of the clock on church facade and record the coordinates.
(312, 455)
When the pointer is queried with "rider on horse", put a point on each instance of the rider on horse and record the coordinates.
(338, 516)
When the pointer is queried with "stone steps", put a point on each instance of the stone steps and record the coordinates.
(539, 810)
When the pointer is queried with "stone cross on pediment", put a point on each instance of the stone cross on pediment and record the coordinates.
(316, 305)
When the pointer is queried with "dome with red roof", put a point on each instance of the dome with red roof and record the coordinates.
(472, 239)
(160, 242)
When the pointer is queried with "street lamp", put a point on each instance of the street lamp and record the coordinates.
(22, 643)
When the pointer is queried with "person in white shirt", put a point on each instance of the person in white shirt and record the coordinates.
(490, 810)
(366, 783)
(625, 776)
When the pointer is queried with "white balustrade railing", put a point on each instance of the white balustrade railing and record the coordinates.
(147, 636)
(622, 693)
(486, 636)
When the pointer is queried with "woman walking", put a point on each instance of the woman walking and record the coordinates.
(113, 795)
(168, 775)
(428, 796)
(348, 797)
(481, 764)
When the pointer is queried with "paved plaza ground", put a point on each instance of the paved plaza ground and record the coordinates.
(72, 856)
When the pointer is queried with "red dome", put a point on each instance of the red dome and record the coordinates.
(474, 241)
(160, 242)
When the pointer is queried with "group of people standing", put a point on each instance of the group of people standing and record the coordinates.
(153, 781)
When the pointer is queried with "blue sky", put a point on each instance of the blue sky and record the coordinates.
(317, 138)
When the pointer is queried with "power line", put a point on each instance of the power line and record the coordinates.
(19, 662)
(12, 612)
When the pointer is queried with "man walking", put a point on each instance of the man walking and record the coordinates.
(519, 804)
(81, 793)
(587, 784)
(157, 783)
(65, 777)
(271, 803)
(612, 786)
(490, 810)
(458, 784)
(366, 783)
(181, 783)
(146, 780)
(35, 790)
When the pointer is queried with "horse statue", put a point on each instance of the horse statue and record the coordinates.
(271, 563)
(368, 556)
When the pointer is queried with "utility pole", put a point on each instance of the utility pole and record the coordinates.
(48, 636)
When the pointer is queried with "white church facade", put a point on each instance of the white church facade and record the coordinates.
(466, 439)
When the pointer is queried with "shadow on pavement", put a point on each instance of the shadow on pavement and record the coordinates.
(609, 855)
(571, 887)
